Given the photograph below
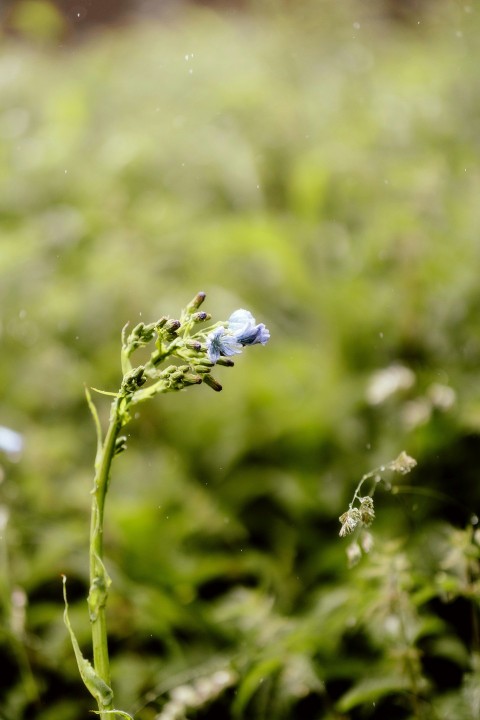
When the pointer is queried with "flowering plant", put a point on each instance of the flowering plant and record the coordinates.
(193, 352)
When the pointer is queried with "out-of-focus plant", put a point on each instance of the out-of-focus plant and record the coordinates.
(394, 593)
(13, 599)
(193, 352)
(361, 512)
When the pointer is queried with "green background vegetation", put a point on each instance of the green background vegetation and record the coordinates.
(318, 166)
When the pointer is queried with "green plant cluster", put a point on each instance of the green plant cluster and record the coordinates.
(318, 166)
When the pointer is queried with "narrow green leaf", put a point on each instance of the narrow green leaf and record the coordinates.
(105, 392)
(372, 689)
(253, 680)
(102, 693)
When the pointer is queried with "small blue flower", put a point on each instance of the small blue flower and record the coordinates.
(221, 342)
(243, 325)
(241, 330)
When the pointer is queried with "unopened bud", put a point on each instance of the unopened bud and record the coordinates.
(211, 382)
(160, 323)
(147, 332)
(193, 345)
(137, 330)
(135, 378)
(203, 368)
(140, 378)
(191, 379)
(226, 362)
(140, 335)
(171, 326)
(196, 302)
(201, 316)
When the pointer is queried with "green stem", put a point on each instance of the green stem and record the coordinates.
(99, 580)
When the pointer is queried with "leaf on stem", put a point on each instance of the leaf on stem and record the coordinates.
(102, 693)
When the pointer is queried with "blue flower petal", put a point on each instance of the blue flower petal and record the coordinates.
(220, 342)
(243, 325)
(258, 334)
(240, 320)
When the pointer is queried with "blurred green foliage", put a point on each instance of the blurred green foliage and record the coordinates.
(318, 167)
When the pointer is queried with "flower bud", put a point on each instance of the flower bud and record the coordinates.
(201, 316)
(211, 382)
(171, 326)
(134, 379)
(137, 330)
(203, 368)
(196, 302)
(139, 376)
(191, 379)
(226, 362)
(193, 345)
